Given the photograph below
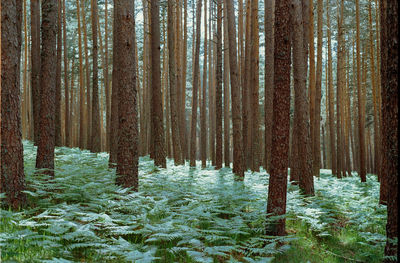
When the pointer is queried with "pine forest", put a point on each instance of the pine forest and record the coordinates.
(199, 131)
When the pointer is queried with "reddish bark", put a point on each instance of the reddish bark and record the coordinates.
(12, 161)
(281, 120)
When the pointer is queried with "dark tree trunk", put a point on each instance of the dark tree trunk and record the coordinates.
(12, 160)
(269, 80)
(281, 120)
(128, 158)
(218, 90)
(96, 134)
(156, 97)
(390, 119)
(35, 63)
(45, 152)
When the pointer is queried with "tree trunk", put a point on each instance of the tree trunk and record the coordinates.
(254, 71)
(58, 79)
(301, 163)
(35, 62)
(45, 152)
(128, 158)
(361, 120)
(218, 90)
(195, 87)
(11, 157)
(390, 118)
(238, 160)
(67, 124)
(95, 137)
(226, 94)
(269, 79)
(203, 112)
(156, 98)
(317, 118)
(281, 120)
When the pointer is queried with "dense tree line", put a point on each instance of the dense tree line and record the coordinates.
(160, 82)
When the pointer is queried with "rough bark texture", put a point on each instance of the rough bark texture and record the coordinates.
(45, 152)
(269, 79)
(128, 158)
(238, 161)
(95, 137)
(35, 63)
(156, 97)
(12, 161)
(301, 165)
(58, 79)
(176, 141)
(281, 120)
(218, 90)
(390, 119)
(195, 87)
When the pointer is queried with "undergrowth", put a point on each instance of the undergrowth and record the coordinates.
(183, 214)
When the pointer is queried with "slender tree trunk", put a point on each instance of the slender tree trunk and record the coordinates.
(254, 70)
(332, 135)
(67, 124)
(35, 62)
(317, 118)
(106, 78)
(281, 119)
(238, 160)
(312, 82)
(361, 120)
(301, 163)
(95, 138)
(11, 157)
(114, 130)
(82, 133)
(45, 152)
(128, 158)
(88, 111)
(195, 87)
(226, 94)
(203, 113)
(269, 79)
(246, 90)
(58, 79)
(156, 98)
(218, 90)
(182, 105)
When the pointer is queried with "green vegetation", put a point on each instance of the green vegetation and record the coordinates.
(181, 214)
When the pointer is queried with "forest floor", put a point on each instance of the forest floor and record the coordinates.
(184, 214)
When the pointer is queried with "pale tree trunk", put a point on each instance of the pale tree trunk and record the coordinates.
(203, 112)
(226, 94)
